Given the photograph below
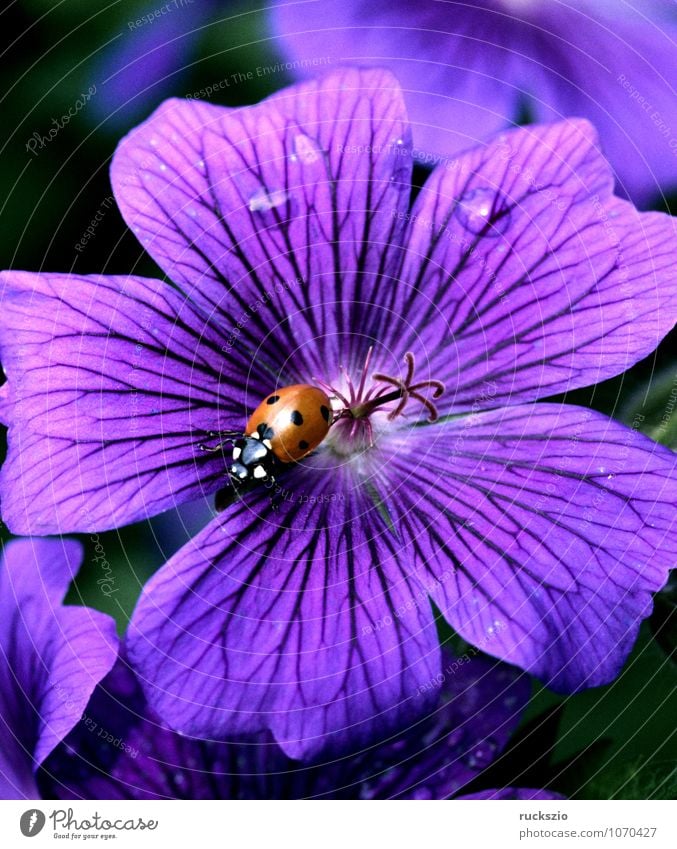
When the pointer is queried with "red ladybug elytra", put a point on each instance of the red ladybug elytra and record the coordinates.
(286, 426)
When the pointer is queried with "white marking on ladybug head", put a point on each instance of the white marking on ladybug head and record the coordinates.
(267, 443)
(259, 472)
(255, 435)
(236, 453)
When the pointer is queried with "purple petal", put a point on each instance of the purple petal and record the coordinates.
(617, 68)
(112, 384)
(547, 529)
(278, 216)
(521, 793)
(300, 621)
(527, 277)
(482, 703)
(51, 657)
(467, 69)
(119, 750)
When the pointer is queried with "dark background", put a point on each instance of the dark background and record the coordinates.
(613, 742)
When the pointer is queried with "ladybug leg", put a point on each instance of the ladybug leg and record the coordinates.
(274, 492)
(224, 498)
(212, 449)
(275, 496)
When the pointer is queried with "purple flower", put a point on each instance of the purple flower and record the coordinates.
(51, 657)
(120, 750)
(540, 530)
(469, 69)
(148, 58)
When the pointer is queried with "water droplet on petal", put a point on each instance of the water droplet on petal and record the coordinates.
(482, 755)
(483, 211)
(422, 793)
(263, 201)
(307, 150)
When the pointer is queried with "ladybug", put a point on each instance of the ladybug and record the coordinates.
(286, 426)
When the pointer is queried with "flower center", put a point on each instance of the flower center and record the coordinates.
(353, 426)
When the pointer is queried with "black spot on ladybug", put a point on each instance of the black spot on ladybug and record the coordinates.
(325, 412)
(264, 431)
(297, 418)
(303, 445)
(273, 399)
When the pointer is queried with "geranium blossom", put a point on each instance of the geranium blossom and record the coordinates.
(51, 657)
(120, 750)
(471, 68)
(540, 530)
(150, 59)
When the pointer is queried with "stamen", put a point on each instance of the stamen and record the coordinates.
(332, 392)
(359, 402)
(365, 369)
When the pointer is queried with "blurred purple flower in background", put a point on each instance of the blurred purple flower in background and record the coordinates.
(121, 751)
(472, 68)
(51, 657)
(539, 530)
(144, 63)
